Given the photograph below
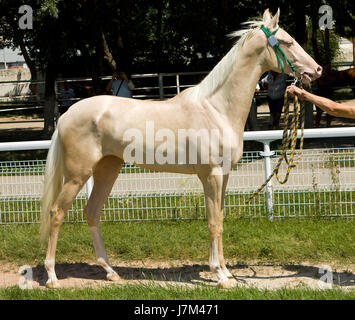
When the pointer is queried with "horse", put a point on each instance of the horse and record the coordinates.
(93, 136)
(335, 78)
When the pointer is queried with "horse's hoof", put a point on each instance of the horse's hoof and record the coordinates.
(53, 284)
(113, 277)
(229, 283)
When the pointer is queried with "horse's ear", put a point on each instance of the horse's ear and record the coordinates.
(275, 19)
(266, 17)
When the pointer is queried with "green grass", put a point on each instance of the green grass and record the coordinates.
(156, 292)
(287, 241)
(245, 240)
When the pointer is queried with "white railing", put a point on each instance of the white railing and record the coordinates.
(266, 137)
(323, 183)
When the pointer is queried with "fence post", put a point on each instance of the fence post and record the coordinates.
(161, 86)
(308, 113)
(267, 154)
(88, 187)
(177, 83)
(56, 106)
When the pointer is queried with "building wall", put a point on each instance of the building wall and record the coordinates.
(14, 89)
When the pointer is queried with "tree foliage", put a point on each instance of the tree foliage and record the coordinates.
(93, 37)
(161, 35)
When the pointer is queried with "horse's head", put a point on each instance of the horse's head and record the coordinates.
(286, 55)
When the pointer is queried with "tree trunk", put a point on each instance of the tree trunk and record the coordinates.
(124, 59)
(29, 61)
(301, 26)
(308, 114)
(158, 35)
(314, 37)
(108, 55)
(50, 100)
(326, 47)
(31, 65)
(98, 65)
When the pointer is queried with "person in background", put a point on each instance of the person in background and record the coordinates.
(275, 84)
(120, 85)
(66, 95)
(326, 92)
(251, 123)
(329, 106)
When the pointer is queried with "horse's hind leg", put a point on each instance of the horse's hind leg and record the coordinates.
(105, 174)
(69, 191)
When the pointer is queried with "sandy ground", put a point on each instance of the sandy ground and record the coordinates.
(79, 275)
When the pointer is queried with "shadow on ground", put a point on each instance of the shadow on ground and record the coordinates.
(193, 274)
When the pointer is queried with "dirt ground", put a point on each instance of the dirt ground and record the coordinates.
(266, 276)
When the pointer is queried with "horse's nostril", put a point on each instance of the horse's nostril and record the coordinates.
(319, 69)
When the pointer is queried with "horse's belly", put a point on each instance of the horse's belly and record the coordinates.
(172, 168)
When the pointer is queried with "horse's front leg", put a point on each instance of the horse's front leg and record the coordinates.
(214, 188)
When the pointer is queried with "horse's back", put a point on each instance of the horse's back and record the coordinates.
(104, 120)
(90, 111)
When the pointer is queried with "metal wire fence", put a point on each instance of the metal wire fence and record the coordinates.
(322, 184)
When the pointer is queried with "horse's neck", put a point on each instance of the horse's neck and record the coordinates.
(234, 98)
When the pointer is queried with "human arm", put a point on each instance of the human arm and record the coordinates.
(109, 85)
(331, 107)
(129, 82)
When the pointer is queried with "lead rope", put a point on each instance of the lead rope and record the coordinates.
(289, 141)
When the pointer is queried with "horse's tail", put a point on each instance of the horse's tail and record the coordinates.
(53, 182)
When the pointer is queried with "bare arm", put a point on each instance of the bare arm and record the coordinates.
(331, 107)
(109, 86)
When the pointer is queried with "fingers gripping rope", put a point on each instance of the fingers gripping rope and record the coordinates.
(289, 141)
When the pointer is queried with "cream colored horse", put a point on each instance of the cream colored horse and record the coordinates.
(90, 139)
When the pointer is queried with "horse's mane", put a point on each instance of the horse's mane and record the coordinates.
(221, 71)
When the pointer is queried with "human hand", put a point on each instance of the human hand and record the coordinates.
(295, 91)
